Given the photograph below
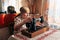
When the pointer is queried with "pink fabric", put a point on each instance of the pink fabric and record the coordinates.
(38, 38)
(45, 35)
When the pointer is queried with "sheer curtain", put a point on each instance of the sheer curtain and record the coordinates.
(54, 13)
(15, 3)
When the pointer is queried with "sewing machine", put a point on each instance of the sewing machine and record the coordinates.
(35, 27)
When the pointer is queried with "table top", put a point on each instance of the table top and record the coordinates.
(52, 34)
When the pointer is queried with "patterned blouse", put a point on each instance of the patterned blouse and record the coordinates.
(18, 20)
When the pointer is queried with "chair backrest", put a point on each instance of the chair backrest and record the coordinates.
(9, 18)
(2, 16)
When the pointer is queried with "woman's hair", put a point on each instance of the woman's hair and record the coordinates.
(23, 10)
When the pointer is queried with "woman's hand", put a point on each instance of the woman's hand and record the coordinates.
(28, 19)
(38, 23)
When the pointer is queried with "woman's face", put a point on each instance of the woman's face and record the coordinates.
(25, 15)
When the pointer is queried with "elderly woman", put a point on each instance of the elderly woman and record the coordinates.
(22, 19)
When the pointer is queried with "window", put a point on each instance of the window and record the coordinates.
(54, 12)
(15, 3)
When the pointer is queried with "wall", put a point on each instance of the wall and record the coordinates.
(0, 6)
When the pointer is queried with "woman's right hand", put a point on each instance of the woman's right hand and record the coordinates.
(28, 19)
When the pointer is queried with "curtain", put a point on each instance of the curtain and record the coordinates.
(51, 12)
(54, 12)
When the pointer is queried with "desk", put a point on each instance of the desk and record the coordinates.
(52, 34)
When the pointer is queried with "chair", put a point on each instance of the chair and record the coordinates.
(9, 21)
(2, 16)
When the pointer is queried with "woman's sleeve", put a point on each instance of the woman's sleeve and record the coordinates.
(17, 21)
